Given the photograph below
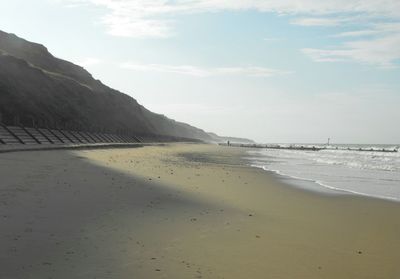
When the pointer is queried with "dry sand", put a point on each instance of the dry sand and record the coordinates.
(181, 211)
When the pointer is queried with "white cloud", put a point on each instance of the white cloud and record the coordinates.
(155, 19)
(181, 69)
(89, 61)
(376, 43)
(149, 18)
(124, 26)
(313, 21)
(374, 29)
(204, 72)
(357, 33)
(250, 71)
(381, 48)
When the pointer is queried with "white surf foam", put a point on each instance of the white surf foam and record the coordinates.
(368, 173)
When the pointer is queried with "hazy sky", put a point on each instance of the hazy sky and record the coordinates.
(274, 71)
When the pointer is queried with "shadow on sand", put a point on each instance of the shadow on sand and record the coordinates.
(64, 217)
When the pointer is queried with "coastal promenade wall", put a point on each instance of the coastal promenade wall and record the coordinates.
(20, 135)
(25, 132)
(13, 137)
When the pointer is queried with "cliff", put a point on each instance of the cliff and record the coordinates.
(36, 87)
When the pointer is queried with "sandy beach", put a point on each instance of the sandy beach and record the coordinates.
(182, 211)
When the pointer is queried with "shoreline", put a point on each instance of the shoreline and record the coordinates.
(279, 176)
(348, 181)
(182, 211)
(326, 189)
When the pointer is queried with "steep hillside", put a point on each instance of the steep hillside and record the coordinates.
(37, 87)
(221, 139)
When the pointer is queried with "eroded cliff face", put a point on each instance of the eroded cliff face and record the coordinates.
(36, 86)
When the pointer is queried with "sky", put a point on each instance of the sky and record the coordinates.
(273, 70)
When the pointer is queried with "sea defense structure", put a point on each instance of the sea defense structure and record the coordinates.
(311, 147)
(15, 130)
(12, 135)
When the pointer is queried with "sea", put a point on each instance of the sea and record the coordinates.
(338, 169)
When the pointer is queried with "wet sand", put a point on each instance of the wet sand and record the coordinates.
(182, 211)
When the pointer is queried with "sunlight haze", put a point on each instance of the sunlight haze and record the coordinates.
(272, 71)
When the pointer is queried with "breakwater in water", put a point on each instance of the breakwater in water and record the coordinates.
(316, 147)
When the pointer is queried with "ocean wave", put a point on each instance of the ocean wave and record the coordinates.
(371, 174)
